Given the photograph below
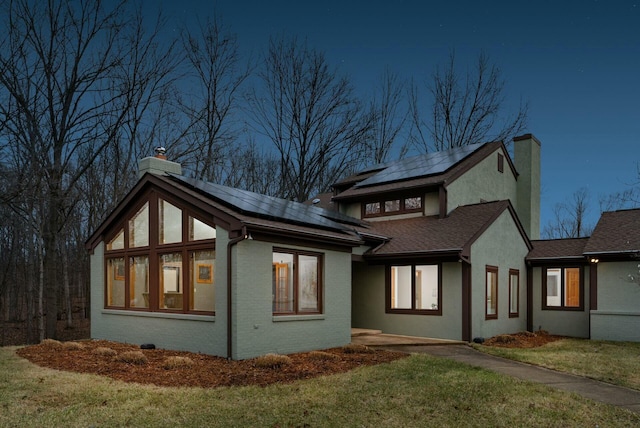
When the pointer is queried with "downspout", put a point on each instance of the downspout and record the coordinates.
(230, 244)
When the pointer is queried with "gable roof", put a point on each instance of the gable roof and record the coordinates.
(425, 170)
(570, 249)
(433, 236)
(617, 233)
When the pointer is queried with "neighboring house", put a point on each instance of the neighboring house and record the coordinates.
(440, 245)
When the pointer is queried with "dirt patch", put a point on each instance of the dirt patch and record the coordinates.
(523, 339)
(205, 371)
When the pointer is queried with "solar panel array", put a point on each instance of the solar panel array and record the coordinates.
(270, 207)
(420, 166)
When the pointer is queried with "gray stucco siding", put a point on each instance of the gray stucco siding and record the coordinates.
(256, 331)
(502, 246)
(618, 314)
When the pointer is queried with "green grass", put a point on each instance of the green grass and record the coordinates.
(415, 391)
(613, 362)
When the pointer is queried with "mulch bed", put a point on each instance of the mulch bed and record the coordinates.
(523, 339)
(206, 371)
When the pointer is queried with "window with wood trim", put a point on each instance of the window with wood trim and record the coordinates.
(414, 289)
(491, 308)
(161, 258)
(296, 282)
(500, 162)
(563, 288)
(514, 293)
(393, 206)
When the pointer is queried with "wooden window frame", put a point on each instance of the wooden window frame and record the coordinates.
(561, 288)
(494, 270)
(154, 250)
(296, 301)
(402, 209)
(514, 273)
(389, 298)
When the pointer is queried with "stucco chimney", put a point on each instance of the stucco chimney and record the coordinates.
(158, 164)
(526, 151)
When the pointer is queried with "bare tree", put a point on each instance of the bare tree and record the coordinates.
(389, 118)
(311, 116)
(570, 218)
(70, 74)
(467, 109)
(216, 77)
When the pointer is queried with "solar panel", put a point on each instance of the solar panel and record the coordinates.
(270, 207)
(420, 166)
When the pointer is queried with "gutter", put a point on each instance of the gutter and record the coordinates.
(230, 244)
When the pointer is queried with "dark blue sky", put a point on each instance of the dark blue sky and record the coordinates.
(576, 62)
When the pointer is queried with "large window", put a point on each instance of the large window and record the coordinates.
(514, 293)
(392, 206)
(562, 288)
(491, 311)
(296, 282)
(154, 263)
(414, 289)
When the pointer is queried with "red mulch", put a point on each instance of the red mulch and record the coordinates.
(207, 371)
(522, 340)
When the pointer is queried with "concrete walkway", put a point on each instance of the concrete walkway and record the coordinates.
(593, 389)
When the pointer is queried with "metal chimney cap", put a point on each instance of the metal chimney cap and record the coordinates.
(160, 150)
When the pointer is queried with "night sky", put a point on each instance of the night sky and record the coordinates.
(576, 62)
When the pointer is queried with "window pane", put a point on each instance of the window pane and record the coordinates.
(139, 228)
(117, 243)
(282, 282)
(572, 287)
(308, 284)
(170, 223)
(553, 287)
(413, 203)
(427, 287)
(199, 230)
(201, 275)
(492, 292)
(139, 280)
(392, 206)
(401, 287)
(115, 282)
(513, 293)
(372, 208)
(171, 281)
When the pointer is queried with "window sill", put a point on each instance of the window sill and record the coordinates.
(286, 318)
(562, 308)
(415, 312)
(164, 315)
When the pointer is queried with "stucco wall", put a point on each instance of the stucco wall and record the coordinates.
(500, 245)
(564, 323)
(618, 314)
(369, 305)
(257, 331)
(196, 333)
(483, 182)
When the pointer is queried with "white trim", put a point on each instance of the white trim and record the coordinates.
(284, 318)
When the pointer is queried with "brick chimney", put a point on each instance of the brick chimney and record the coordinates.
(526, 151)
(158, 164)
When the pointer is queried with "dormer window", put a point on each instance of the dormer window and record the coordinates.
(393, 206)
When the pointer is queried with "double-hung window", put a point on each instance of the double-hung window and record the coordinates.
(414, 289)
(514, 293)
(562, 288)
(491, 309)
(296, 282)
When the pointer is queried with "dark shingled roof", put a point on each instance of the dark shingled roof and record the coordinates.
(617, 232)
(557, 249)
(433, 235)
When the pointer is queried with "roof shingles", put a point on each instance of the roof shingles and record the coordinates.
(616, 232)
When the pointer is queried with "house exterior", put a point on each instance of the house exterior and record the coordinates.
(442, 245)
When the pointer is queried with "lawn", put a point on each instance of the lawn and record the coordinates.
(613, 362)
(415, 391)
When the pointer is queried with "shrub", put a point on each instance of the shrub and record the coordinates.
(177, 362)
(354, 348)
(133, 357)
(72, 346)
(105, 352)
(272, 361)
(505, 338)
(52, 343)
(323, 356)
